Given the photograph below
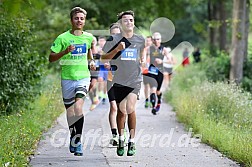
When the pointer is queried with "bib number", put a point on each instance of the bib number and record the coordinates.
(80, 50)
(153, 70)
(129, 54)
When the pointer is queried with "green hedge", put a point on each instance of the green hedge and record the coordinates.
(21, 66)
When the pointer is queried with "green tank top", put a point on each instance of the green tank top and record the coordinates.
(74, 65)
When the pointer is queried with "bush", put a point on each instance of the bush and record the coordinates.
(21, 66)
(247, 71)
(217, 68)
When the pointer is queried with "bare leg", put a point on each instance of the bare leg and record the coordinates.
(165, 81)
(70, 119)
(121, 116)
(146, 90)
(112, 115)
(131, 102)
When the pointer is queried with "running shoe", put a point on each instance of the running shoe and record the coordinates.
(92, 107)
(131, 149)
(95, 100)
(120, 148)
(114, 141)
(146, 105)
(150, 104)
(78, 150)
(153, 111)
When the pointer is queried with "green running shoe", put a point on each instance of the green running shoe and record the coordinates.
(131, 149)
(150, 104)
(120, 148)
(146, 105)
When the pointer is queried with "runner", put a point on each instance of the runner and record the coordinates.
(155, 76)
(103, 73)
(127, 49)
(114, 29)
(73, 48)
(148, 43)
(168, 63)
(94, 77)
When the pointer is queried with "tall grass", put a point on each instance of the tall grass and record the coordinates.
(19, 133)
(221, 112)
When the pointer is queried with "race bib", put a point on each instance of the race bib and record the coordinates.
(153, 70)
(80, 50)
(129, 54)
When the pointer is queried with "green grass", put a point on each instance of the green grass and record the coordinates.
(20, 132)
(220, 112)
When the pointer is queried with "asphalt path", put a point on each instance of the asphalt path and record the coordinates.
(160, 141)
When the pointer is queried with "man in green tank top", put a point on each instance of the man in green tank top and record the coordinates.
(73, 49)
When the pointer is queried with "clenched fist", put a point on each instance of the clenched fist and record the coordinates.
(120, 46)
(92, 65)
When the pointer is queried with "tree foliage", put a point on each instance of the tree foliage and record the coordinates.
(31, 40)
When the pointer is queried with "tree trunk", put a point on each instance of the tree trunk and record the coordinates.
(216, 16)
(223, 26)
(238, 40)
(212, 31)
(247, 23)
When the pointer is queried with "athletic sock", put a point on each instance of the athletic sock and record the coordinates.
(153, 99)
(79, 126)
(121, 138)
(159, 98)
(132, 140)
(114, 132)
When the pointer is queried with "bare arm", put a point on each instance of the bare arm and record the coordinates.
(143, 57)
(108, 56)
(56, 56)
(167, 58)
(92, 61)
(90, 54)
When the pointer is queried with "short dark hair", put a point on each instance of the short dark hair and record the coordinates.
(77, 10)
(101, 37)
(114, 25)
(128, 12)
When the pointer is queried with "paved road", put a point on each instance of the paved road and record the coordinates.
(160, 141)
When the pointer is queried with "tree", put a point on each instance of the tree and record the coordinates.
(239, 39)
(218, 14)
(247, 22)
(212, 18)
(223, 25)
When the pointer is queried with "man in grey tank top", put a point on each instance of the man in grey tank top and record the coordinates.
(125, 50)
